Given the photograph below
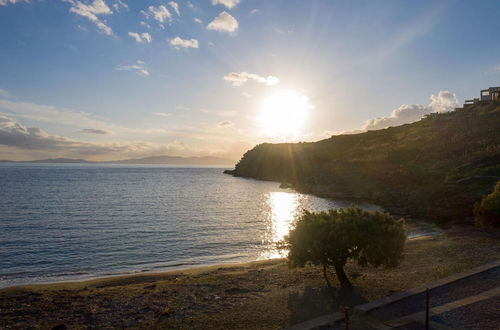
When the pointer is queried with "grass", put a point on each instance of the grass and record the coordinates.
(258, 295)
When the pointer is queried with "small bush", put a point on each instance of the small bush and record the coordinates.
(487, 211)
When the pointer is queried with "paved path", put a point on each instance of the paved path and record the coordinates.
(470, 300)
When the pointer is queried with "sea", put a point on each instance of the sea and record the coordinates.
(80, 221)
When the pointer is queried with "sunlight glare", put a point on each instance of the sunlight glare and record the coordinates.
(285, 113)
(284, 209)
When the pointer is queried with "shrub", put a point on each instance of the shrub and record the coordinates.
(487, 211)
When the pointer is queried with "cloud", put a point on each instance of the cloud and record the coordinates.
(146, 36)
(178, 42)
(254, 11)
(224, 23)
(4, 93)
(497, 68)
(143, 37)
(162, 114)
(228, 3)
(7, 2)
(225, 124)
(138, 67)
(197, 20)
(119, 4)
(238, 79)
(94, 131)
(220, 113)
(50, 114)
(160, 13)
(408, 113)
(175, 7)
(91, 12)
(146, 25)
(42, 144)
(14, 134)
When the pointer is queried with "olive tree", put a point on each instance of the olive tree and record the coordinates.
(331, 238)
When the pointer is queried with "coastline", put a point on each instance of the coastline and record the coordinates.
(418, 231)
(261, 294)
(97, 279)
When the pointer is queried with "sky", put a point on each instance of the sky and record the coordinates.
(117, 79)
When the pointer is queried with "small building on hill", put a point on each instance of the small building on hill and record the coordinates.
(491, 94)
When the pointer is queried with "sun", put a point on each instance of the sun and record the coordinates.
(284, 114)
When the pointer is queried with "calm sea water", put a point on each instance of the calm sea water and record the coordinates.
(67, 222)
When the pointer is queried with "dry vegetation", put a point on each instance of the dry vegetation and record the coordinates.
(259, 295)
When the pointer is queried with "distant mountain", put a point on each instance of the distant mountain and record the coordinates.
(172, 160)
(58, 161)
(154, 160)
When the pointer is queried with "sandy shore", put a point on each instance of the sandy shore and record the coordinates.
(255, 295)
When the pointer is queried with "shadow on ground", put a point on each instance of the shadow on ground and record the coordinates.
(314, 302)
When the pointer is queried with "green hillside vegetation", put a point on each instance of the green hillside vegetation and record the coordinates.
(487, 211)
(437, 167)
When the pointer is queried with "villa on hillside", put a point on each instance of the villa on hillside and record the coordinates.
(491, 94)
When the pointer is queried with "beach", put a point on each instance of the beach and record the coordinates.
(255, 295)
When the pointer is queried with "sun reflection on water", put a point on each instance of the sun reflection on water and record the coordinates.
(284, 207)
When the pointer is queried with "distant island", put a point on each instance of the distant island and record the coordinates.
(154, 160)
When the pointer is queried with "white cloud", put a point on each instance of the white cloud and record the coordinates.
(197, 20)
(162, 114)
(160, 13)
(7, 2)
(175, 7)
(91, 12)
(190, 5)
(224, 22)
(254, 11)
(143, 37)
(146, 25)
(238, 79)
(247, 95)
(408, 113)
(228, 3)
(119, 4)
(225, 124)
(178, 42)
(146, 36)
(138, 67)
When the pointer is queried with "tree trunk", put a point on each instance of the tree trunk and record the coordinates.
(326, 276)
(343, 279)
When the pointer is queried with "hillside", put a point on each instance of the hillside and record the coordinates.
(436, 167)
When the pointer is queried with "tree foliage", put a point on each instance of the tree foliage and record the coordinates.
(332, 238)
(487, 211)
